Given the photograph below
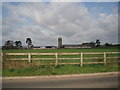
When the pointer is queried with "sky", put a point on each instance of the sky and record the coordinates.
(75, 22)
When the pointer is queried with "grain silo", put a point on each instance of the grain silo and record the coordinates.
(59, 42)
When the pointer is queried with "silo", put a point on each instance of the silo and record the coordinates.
(59, 42)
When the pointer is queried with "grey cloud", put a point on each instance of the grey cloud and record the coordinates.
(72, 21)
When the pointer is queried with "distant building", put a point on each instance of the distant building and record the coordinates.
(36, 47)
(44, 47)
(75, 46)
(50, 46)
(59, 42)
(83, 45)
(71, 46)
(88, 44)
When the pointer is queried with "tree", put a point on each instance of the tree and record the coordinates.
(18, 44)
(92, 44)
(97, 42)
(9, 43)
(107, 44)
(29, 42)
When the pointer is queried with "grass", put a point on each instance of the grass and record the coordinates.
(61, 70)
(99, 49)
(0, 73)
(24, 68)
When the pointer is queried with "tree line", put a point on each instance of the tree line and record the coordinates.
(9, 44)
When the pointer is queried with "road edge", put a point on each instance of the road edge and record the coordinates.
(59, 76)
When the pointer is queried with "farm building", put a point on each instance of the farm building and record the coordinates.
(75, 46)
(44, 47)
(83, 45)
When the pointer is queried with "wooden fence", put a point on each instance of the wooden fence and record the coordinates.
(57, 59)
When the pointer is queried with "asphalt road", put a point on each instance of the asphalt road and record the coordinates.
(98, 81)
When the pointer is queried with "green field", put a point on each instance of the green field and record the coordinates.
(24, 68)
(99, 49)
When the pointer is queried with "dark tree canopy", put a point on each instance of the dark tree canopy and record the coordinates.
(98, 42)
(92, 44)
(108, 44)
(29, 42)
(9, 43)
(18, 43)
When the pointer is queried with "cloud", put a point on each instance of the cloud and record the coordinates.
(45, 22)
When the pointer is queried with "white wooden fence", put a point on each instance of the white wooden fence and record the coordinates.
(81, 57)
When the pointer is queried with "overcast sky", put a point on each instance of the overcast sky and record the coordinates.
(44, 22)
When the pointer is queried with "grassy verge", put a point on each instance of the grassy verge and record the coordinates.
(61, 70)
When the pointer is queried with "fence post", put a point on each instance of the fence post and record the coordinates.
(1, 59)
(81, 60)
(29, 57)
(56, 59)
(1, 56)
(104, 58)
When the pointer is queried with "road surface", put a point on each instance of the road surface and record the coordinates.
(98, 81)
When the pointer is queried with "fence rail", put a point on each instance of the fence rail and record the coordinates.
(56, 58)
